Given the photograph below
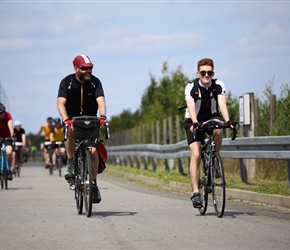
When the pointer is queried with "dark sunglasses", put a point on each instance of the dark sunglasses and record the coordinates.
(203, 73)
(85, 68)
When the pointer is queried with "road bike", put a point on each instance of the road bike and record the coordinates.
(17, 146)
(86, 130)
(4, 165)
(212, 176)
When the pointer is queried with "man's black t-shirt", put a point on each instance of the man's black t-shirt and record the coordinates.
(18, 134)
(80, 98)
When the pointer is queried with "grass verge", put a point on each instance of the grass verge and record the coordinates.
(232, 179)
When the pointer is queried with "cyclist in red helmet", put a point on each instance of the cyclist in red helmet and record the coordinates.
(6, 131)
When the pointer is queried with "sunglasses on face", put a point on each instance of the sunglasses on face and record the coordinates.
(203, 73)
(85, 68)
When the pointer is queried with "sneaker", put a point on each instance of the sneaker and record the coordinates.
(9, 176)
(13, 170)
(196, 200)
(71, 184)
(96, 198)
(69, 172)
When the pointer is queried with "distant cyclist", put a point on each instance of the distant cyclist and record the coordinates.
(57, 135)
(46, 128)
(81, 94)
(19, 141)
(6, 131)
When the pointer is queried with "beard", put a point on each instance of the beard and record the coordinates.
(85, 77)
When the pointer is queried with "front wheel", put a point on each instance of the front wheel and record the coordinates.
(203, 192)
(79, 182)
(218, 185)
(88, 182)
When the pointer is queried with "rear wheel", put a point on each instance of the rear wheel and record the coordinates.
(218, 185)
(88, 185)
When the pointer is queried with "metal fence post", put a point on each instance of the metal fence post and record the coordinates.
(145, 163)
(243, 171)
(154, 164)
(180, 166)
(131, 161)
(288, 167)
(166, 166)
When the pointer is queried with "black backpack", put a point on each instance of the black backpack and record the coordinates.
(195, 93)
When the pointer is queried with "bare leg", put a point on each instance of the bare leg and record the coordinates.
(218, 139)
(70, 143)
(195, 149)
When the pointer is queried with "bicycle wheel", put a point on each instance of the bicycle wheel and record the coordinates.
(50, 169)
(218, 185)
(203, 191)
(18, 164)
(59, 164)
(79, 182)
(88, 179)
(2, 179)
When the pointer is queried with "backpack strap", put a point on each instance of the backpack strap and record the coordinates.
(71, 81)
(70, 84)
(195, 92)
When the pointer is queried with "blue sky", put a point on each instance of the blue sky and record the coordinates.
(129, 40)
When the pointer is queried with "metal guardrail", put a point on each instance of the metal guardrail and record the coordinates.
(270, 147)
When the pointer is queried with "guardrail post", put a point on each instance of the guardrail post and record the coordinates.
(138, 162)
(125, 161)
(131, 161)
(180, 166)
(243, 171)
(166, 166)
(145, 163)
(154, 164)
(115, 160)
(288, 166)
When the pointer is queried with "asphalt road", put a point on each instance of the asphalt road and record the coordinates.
(38, 212)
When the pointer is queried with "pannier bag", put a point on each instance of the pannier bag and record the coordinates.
(103, 156)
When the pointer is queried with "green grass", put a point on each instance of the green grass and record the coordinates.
(278, 185)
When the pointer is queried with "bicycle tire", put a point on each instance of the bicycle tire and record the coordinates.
(50, 169)
(17, 165)
(88, 182)
(203, 192)
(18, 171)
(59, 164)
(79, 182)
(2, 180)
(218, 185)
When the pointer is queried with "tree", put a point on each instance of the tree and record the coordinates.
(281, 126)
(264, 109)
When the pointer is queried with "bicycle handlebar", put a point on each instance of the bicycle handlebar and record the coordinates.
(216, 124)
(106, 125)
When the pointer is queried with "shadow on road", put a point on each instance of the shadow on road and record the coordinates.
(112, 213)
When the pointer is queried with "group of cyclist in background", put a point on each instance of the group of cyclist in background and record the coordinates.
(13, 136)
(53, 132)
